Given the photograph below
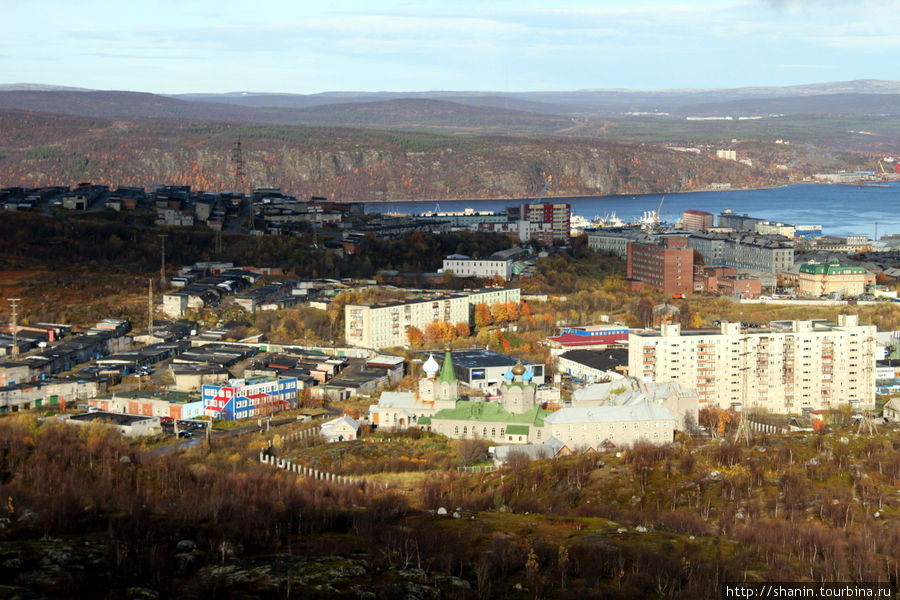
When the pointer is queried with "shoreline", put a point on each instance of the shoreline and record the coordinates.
(524, 200)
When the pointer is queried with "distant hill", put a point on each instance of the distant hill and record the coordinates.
(343, 163)
(409, 113)
(443, 145)
(835, 104)
(598, 102)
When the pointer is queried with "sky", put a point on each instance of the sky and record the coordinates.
(306, 46)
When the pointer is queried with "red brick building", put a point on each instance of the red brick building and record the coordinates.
(725, 280)
(668, 265)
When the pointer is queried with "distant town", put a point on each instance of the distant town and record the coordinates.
(623, 348)
(212, 375)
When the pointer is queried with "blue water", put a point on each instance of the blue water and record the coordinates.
(840, 209)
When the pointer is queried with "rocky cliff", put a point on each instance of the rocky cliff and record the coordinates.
(346, 165)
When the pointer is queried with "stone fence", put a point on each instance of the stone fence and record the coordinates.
(299, 435)
(766, 428)
(477, 469)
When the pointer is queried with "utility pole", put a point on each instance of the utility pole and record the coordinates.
(14, 303)
(162, 264)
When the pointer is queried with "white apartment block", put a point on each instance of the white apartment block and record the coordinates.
(384, 324)
(785, 368)
(484, 268)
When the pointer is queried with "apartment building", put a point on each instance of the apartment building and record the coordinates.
(783, 368)
(559, 217)
(769, 253)
(615, 241)
(668, 265)
(696, 220)
(384, 324)
(744, 222)
(484, 268)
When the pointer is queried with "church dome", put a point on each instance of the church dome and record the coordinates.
(519, 369)
(528, 375)
(431, 367)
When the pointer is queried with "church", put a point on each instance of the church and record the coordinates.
(517, 418)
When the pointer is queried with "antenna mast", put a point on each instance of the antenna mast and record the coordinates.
(14, 302)
(237, 161)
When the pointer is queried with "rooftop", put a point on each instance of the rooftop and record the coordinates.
(603, 361)
(490, 412)
(479, 357)
(114, 418)
(643, 411)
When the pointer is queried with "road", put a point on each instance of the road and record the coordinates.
(200, 438)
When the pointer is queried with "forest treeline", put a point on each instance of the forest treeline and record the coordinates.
(816, 508)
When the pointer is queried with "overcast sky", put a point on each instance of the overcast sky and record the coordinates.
(305, 46)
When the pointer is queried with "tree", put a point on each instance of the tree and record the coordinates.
(685, 315)
(433, 331)
(644, 312)
(414, 336)
(462, 330)
(482, 315)
(448, 331)
(525, 310)
(716, 418)
(512, 311)
(499, 312)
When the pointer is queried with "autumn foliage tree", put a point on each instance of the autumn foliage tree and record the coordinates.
(499, 312)
(414, 336)
(482, 315)
(512, 311)
(716, 419)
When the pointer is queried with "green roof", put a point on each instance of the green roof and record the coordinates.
(447, 373)
(831, 268)
(517, 430)
(424, 421)
(490, 412)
